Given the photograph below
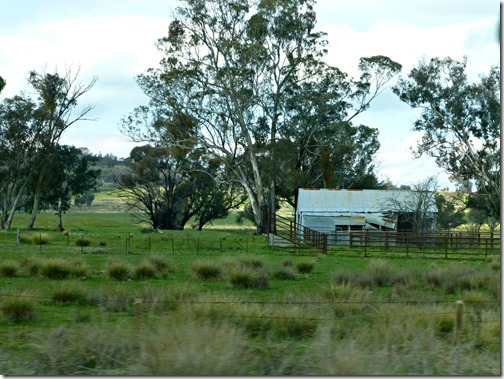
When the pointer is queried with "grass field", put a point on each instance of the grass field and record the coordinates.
(106, 297)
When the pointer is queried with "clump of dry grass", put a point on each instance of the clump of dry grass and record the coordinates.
(206, 269)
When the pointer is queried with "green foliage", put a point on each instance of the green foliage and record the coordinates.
(118, 270)
(144, 270)
(83, 242)
(206, 269)
(9, 269)
(305, 267)
(460, 121)
(40, 239)
(247, 278)
(68, 292)
(55, 269)
(19, 309)
(284, 273)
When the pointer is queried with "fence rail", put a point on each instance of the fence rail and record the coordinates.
(453, 244)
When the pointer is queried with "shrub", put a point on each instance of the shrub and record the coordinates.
(102, 244)
(305, 267)
(83, 242)
(19, 309)
(287, 263)
(55, 269)
(78, 268)
(9, 269)
(379, 273)
(118, 270)
(162, 265)
(340, 276)
(254, 263)
(284, 273)
(206, 270)
(40, 239)
(144, 270)
(68, 293)
(247, 278)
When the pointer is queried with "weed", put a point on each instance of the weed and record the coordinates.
(161, 264)
(9, 269)
(40, 239)
(305, 267)
(19, 309)
(68, 293)
(118, 270)
(379, 273)
(144, 270)
(83, 242)
(206, 270)
(248, 278)
(254, 263)
(284, 273)
(55, 269)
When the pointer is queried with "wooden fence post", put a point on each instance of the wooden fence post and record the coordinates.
(18, 236)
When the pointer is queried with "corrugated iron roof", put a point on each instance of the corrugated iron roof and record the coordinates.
(362, 201)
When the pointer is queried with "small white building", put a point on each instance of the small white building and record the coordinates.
(338, 212)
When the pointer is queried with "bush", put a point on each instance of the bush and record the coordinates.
(68, 293)
(254, 263)
(206, 270)
(144, 270)
(380, 273)
(55, 269)
(40, 239)
(284, 273)
(9, 269)
(247, 278)
(83, 242)
(162, 265)
(19, 309)
(305, 267)
(118, 270)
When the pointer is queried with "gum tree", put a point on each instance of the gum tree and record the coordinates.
(234, 66)
(460, 121)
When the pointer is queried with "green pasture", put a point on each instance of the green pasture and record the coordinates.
(223, 302)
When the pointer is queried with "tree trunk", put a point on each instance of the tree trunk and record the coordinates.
(60, 218)
(33, 216)
(8, 222)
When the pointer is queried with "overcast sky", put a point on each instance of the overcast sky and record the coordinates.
(114, 41)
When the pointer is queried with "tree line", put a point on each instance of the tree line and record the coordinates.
(243, 110)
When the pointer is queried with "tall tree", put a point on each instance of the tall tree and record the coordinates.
(70, 173)
(57, 98)
(460, 121)
(232, 65)
(17, 132)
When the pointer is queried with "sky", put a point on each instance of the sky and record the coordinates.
(114, 41)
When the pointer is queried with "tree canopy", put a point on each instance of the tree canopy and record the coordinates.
(238, 68)
(460, 121)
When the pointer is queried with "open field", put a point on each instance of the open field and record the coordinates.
(107, 298)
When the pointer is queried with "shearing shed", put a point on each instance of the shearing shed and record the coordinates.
(339, 212)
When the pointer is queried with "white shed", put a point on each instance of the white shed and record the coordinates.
(337, 212)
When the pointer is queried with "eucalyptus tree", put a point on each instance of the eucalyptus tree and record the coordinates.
(234, 66)
(70, 173)
(460, 121)
(17, 130)
(57, 100)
